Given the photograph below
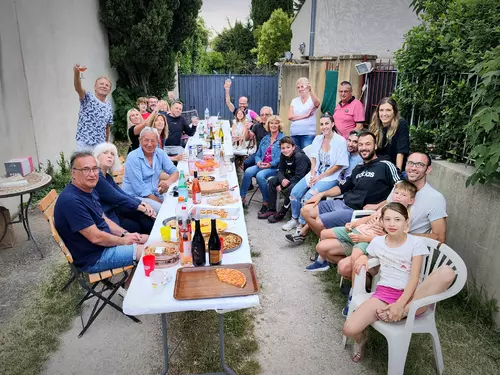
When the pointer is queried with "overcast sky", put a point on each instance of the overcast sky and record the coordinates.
(215, 12)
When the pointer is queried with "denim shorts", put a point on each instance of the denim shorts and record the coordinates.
(114, 257)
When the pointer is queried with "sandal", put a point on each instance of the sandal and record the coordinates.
(358, 351)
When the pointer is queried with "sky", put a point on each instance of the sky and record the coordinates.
(215, 12)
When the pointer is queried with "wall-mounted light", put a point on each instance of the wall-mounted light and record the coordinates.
(288, 56)
(364, 68)
(302, 48)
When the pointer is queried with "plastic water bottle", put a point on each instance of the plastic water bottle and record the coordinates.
(182, 187)
(192, 158)
(217, 150)
(207, 114)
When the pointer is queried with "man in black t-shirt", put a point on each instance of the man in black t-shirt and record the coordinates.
(177, 124)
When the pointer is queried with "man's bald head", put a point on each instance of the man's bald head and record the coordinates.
(243, 102)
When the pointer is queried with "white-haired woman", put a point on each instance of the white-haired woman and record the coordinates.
(128, 212)
(302, 114)
(135, 124)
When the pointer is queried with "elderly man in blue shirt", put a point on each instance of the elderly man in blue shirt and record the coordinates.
(144, 167)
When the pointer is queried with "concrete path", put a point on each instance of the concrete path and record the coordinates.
(297, 327)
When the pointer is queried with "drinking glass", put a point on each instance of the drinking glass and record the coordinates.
(82, 68)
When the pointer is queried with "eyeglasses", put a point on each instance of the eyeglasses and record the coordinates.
(418, 165)
(344, 91)
(265, 114)
(86, 171)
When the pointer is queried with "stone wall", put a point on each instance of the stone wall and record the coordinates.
(473, 226)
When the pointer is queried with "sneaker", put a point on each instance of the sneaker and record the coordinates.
(317, 266)
(295, 238)
(266, 215)
(122, 292)
(263, 209)
(278, 216)
(292, 223)
(345, 310)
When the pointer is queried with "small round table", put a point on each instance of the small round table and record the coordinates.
(36, 181)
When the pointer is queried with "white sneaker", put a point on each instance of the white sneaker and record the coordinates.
(292, 223)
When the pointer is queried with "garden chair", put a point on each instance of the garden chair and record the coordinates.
(89, 282)
(399, 334)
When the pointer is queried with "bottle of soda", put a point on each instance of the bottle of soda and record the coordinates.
(182, 187)
(198, 245)
(196, 190)
(214, 246)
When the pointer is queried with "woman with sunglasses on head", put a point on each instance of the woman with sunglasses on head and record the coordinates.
(302, 114)
(329, 156)
(135, 124)
(392, 133)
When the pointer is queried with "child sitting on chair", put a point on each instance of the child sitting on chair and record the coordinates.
(401, 256)
(239, 130)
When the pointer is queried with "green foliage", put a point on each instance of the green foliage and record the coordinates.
(60, 177)
(274, 38)
(262, 9)
(233, 44)
(124, 99)
(144, 38)
(436, 77)
(484, 128)
(193, 50)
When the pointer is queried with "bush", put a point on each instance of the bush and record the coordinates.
(60, 177)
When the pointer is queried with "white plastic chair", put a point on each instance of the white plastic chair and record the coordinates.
(398, 334)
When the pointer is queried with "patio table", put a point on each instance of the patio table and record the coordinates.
(36, 181)
(141, 298)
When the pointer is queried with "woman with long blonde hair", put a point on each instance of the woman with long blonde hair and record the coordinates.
(135, 124)
(392, 133)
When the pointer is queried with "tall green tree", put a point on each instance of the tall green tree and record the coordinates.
(192, 54)
(144, 37)
(262, 9)
(274, 38)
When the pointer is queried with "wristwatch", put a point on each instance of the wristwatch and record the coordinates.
(124, 233)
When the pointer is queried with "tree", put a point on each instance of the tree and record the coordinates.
(193, 50)
(144, 37)
(274, 38)
(262, 9)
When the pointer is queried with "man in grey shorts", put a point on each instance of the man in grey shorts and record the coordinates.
(369, 183)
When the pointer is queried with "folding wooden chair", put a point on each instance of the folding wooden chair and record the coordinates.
(89, 282)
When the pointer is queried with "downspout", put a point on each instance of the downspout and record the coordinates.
(313, 28)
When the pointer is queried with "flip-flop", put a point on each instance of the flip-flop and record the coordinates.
(358, 351)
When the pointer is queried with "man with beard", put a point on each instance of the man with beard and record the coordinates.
(177, 125)
(354, 157)
(242, 103)
(369, 183)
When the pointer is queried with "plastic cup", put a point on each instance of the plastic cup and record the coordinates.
(149, 264)
(159, 279)
(165, 233)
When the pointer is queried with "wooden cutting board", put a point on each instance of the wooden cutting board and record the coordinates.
(202, 282)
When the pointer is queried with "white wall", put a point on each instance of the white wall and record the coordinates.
(301, 28)
(362, 26)
(40, 41)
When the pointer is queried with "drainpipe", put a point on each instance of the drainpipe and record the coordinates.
(313, 28)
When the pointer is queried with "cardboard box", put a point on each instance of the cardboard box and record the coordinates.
(18, 166)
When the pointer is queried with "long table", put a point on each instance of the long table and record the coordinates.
(142, 299)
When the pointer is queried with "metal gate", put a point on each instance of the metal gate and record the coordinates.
(382, 82)
(207, 91)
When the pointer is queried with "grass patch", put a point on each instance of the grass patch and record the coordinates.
(198, 351)
(469, 340)
(28, 339)
(255, 254)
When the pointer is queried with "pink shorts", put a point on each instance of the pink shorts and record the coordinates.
(387, 294)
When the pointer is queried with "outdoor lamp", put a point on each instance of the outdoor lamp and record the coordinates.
(364, 68)
(288, 55)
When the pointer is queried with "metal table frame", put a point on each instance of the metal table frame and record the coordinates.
(223, 364)
(23, 213)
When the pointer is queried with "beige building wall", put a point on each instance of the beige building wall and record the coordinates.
(473, 224)
(40, 41)
(354, 27)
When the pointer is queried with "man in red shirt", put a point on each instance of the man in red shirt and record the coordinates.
(349, 113)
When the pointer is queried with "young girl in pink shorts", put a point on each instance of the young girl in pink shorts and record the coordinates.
(401, 256)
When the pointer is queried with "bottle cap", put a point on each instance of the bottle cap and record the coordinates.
(176, 194)
(195, 174)
(180, 199)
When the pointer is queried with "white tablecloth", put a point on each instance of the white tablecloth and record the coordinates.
(142, 299)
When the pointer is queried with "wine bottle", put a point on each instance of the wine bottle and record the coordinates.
(211, 137)
(214, 246)
(198, 245)
(221, 135)
(196, 189)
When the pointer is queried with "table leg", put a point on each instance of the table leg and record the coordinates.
(225, 367)
(23, 213)
(165, 343)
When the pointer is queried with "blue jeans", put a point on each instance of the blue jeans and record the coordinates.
(261, 175)
(303, 141)
(113, 257)
(301, 193)
(249, 161)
